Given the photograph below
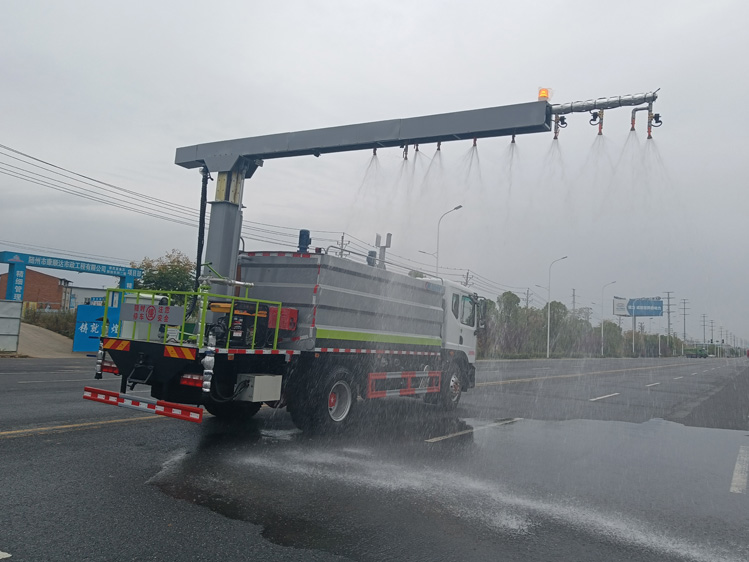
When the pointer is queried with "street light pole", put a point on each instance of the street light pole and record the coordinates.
(602, 289)
(439, 222)
(433, 254)
(548, 309)
(634, 323)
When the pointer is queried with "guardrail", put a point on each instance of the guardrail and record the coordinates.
(143, 310)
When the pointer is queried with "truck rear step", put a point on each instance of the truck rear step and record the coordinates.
(160, 407)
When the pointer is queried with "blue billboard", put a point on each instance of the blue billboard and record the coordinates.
(17, 270)
(645, 307)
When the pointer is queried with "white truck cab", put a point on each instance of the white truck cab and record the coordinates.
(461, 322)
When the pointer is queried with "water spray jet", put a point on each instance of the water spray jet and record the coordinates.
(560, 122)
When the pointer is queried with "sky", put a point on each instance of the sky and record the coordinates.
(109, 91)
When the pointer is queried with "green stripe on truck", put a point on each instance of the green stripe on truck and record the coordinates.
(322, 333)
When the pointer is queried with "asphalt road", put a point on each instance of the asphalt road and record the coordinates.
(544, 460)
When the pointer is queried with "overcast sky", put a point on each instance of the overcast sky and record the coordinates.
(110, 91)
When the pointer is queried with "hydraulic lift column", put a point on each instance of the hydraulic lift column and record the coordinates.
(225, 227)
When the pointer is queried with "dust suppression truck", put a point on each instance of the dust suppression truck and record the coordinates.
(306, 330)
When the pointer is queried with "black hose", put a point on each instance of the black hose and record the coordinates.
(201, 229)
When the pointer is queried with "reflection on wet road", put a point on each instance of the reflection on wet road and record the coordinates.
(408, 480)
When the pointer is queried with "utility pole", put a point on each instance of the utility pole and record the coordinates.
(704, 334)
(684, 314)
(712, 334)
(527, 298)
(721, 341)
(668, 314)
(468, 278)
(343, 246)
(573, 303)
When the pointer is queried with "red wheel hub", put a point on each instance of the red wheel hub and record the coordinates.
(332, 400)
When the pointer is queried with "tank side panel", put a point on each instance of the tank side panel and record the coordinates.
(352, 304)
(356, 299)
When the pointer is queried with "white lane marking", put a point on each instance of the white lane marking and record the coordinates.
(602, 397)
(741, 471)
(465, 432)
(89, 379)
(677, 378)
(653, 384)
(693, 374)
(705, 371)
(4, 555)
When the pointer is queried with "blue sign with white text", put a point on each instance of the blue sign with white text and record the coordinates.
(70, 265)
(88, 321)
(645, 307)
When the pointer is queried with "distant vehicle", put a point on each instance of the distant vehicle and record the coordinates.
(696, 353)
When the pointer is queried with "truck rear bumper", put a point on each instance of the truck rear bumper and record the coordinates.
(159, 407)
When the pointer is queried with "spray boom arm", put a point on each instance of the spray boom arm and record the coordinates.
(604, 103)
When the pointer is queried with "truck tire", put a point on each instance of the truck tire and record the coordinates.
(327, 407)
(451, 387)
(233, 410)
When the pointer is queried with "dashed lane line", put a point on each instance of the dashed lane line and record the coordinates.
(602, 397)
(677, 378)
(472, 430)
(741, 471)
(71, 427)
(652, 384)
(4, 555)
(572, 375)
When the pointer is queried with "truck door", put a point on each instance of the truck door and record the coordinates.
(467, 337)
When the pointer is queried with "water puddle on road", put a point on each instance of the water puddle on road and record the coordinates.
(521, 487)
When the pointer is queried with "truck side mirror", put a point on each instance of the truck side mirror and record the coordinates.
(482, 313)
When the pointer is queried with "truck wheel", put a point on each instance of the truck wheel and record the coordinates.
(327, 407)
(340, 399)
(233, 410)
(301, 412)
(451, 388)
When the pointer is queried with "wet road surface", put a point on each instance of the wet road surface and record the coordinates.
(590, 460)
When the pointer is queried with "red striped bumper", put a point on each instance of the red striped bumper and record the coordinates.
(159, 407)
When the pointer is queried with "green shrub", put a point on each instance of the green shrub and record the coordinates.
(60, 322)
